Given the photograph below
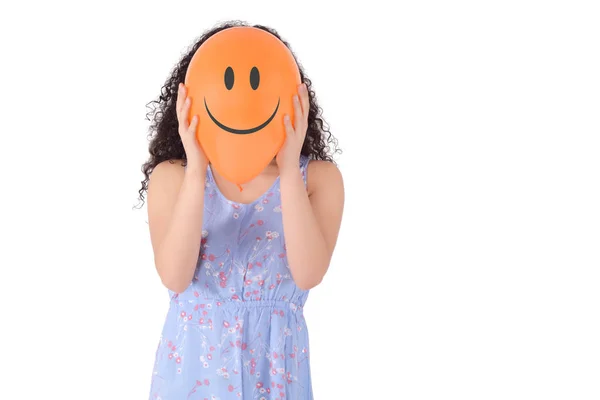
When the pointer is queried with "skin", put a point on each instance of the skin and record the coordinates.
(176, 202)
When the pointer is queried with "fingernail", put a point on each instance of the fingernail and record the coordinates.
(286, 118)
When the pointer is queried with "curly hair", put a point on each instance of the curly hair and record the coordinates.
(165, 142)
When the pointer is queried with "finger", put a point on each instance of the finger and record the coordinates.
(180, 98)
(287, 123)
(183, 116)
(193, 125)
(298, 114)
(305, 100)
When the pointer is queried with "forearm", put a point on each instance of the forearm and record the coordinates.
(178, 253)
(307, 251)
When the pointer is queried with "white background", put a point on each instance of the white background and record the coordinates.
(468, 261)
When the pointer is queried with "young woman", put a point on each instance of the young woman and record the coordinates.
(238, 264)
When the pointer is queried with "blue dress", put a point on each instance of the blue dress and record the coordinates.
(238, 331)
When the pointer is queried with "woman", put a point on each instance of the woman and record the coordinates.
(238, 264)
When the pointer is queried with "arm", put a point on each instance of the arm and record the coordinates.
(175, 208)
(311, 219)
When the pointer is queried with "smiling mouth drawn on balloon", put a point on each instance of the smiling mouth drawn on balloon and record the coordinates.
(241, 131)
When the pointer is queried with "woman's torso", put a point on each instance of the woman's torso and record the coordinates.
(238, 331)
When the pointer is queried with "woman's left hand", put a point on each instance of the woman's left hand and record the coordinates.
(289, 154)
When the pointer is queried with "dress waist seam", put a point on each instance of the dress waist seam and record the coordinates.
(217, 304)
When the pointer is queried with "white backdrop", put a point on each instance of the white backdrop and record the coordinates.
(468, 261)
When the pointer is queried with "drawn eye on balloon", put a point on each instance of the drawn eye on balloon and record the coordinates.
(241, 82)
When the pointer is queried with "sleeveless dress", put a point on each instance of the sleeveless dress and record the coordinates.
(238, 331)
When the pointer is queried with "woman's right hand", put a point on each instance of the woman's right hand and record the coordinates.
(187, 131)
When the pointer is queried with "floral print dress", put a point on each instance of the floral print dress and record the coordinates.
(238, 331)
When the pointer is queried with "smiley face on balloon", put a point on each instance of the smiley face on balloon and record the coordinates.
(241, 82)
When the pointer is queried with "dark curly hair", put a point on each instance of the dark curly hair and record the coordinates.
(165, 143)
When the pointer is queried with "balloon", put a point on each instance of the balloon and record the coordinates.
(241, 82)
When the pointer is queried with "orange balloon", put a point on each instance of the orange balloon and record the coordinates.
(241, 82)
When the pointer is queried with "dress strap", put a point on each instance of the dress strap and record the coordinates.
(304, 160)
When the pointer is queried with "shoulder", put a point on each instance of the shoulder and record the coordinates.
(321, 175)
(167, 174)
(169, 168)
